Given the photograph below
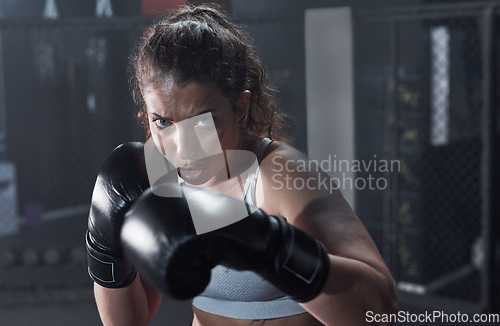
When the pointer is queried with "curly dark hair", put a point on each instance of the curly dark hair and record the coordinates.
(199, 44)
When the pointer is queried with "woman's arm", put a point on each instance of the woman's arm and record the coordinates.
(134, 305)
(359, 280)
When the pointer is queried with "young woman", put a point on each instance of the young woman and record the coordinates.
(205, 101)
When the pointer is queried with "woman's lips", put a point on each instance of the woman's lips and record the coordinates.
(190, 173)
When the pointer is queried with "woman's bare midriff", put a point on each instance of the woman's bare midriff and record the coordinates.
(202, 318)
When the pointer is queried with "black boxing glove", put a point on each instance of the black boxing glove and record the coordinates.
(122, 180)
(159, 235)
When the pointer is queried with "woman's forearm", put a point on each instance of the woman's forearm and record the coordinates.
(352, 289)
(134, 305)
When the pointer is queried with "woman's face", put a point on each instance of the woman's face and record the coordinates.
(192, 126)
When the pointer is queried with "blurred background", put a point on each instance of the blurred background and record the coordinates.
(412, 82)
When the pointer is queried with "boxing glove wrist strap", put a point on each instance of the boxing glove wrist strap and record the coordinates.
(302, 263)
(107, 270)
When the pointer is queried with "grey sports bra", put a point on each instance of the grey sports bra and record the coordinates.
(251, 182)
(245, 294)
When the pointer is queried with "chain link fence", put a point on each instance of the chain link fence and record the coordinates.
(421, 95)
(67, 104)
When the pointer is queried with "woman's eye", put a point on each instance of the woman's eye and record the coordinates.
(162, 123)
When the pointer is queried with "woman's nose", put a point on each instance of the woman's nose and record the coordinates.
(188, 145)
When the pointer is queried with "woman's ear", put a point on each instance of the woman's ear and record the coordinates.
(243, 105)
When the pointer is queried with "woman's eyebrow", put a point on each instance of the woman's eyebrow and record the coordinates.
(159, 116)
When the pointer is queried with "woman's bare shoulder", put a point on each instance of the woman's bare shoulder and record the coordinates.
(279, 153)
